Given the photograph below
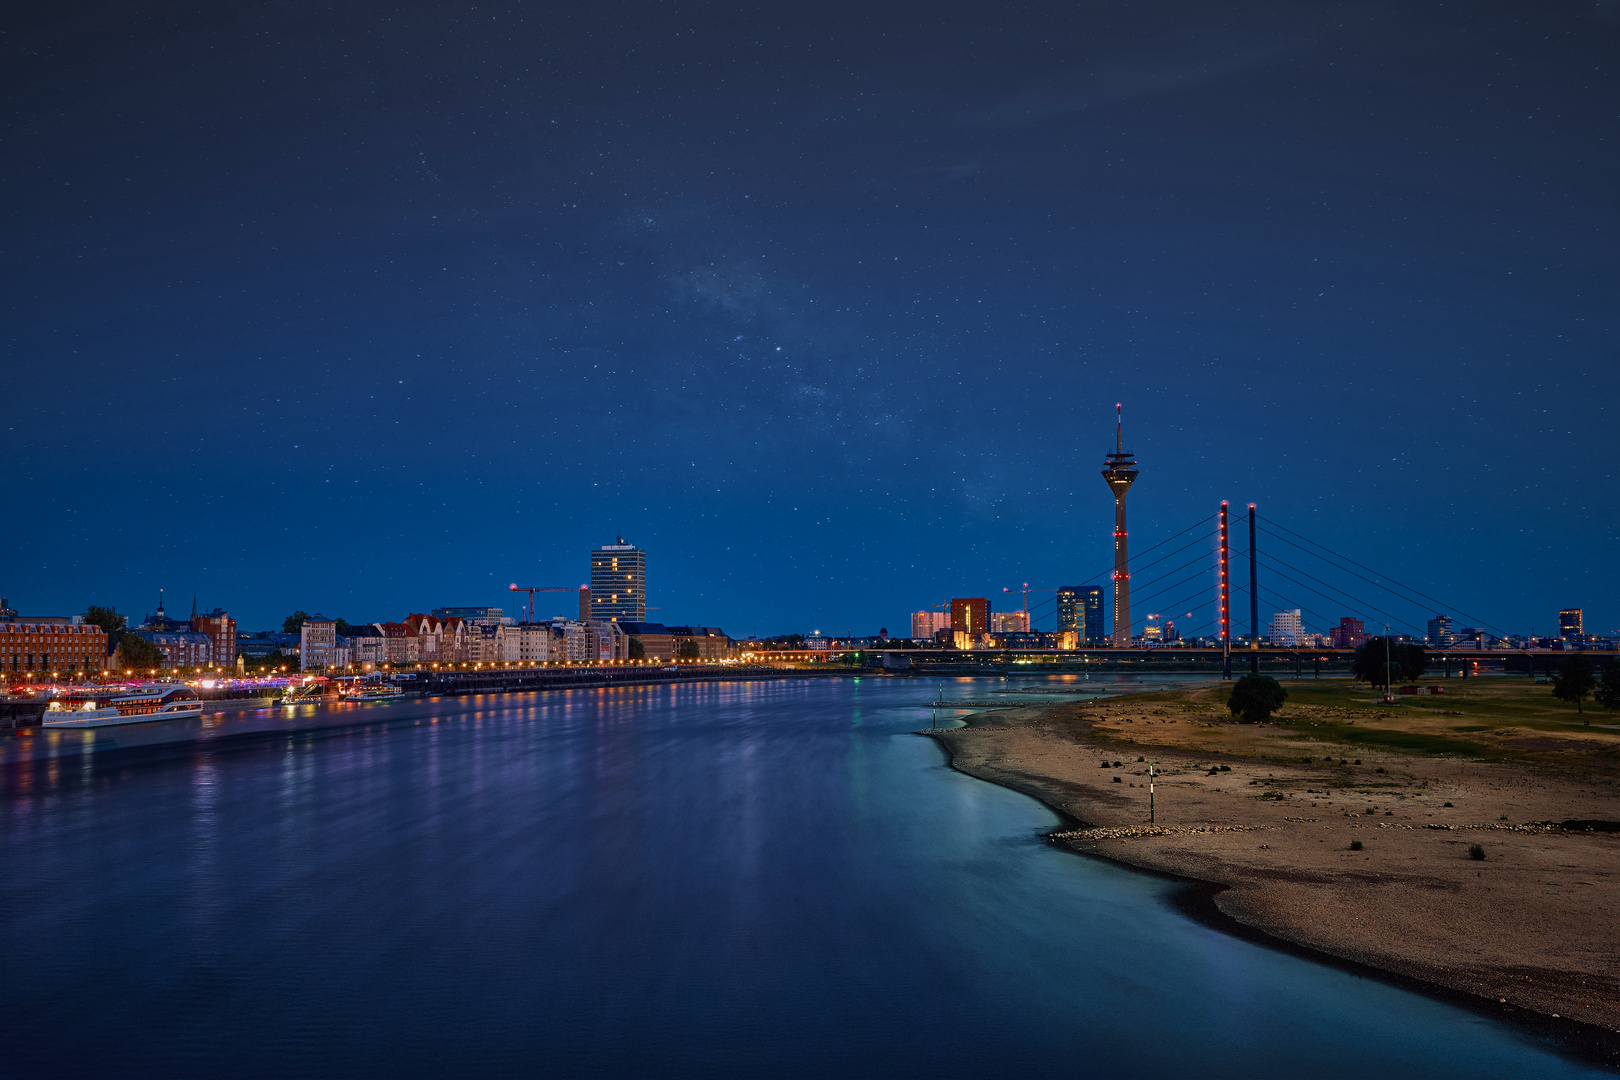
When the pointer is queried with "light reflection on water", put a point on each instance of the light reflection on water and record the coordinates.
(734, 879)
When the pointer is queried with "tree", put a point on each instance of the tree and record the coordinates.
(1383, 660)
(135, 653)
(1255, 697)
(638, 651)
(1607, 693)
(343, 626)
(687, 650)
(294, 622)
(109, 620)
(1575, 681)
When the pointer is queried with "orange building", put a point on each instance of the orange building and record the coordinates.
(971, 616)
(221, 630)
(46, 647)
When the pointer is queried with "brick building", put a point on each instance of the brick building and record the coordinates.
(45, 647)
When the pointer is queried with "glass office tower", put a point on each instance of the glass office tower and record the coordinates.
(1080, 608)
(619, 583)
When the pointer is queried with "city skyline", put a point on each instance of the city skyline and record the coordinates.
(1361, 334)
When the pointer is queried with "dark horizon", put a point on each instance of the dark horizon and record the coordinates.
(826, 308)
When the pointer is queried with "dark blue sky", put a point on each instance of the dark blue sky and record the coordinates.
(369, 309)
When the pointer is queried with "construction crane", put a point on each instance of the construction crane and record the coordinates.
(1026, 590)
(532, 589)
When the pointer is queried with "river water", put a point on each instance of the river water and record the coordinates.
(749, 879)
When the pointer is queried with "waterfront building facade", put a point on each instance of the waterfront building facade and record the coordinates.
(711, 641)
(180, 648)
(618, 588)
(221, 631)
(367, 646)
(317, 643)
(47, 647)
(654, 639)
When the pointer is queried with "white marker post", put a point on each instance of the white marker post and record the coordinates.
(1150, 791)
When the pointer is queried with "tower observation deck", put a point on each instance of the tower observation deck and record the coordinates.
(1120, 473)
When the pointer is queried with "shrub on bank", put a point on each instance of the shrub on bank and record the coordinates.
(1255, 697)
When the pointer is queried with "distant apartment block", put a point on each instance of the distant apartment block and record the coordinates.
(1439, 633)
(618, 583)
(971, 616)
(926, 624)
(1570, 623)
(318, 643)
(1287, 629)
(1349, 634)
(1009, 622)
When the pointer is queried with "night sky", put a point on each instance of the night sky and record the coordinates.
(370, 308)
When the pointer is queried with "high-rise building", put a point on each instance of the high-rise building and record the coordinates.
(1349, 634)
(618, 583)
(1080, 608)
(1440, 635)
(970, 616)
(925, 624)
(1569, 623)
(1287, 628)
(1009, 622)
(1120, 473)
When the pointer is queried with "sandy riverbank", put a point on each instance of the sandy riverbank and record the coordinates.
(1535, 925)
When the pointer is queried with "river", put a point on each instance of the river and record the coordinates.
(748, 879)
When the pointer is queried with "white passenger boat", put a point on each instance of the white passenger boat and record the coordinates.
(371, 692)
(122, 705)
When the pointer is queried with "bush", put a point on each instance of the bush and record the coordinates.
(1576, 681)
(1355, 845)
(1475, 852)
(1380, 662)
(1607, 691)
(1255, 698)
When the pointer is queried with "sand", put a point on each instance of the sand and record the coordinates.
(1535, 925)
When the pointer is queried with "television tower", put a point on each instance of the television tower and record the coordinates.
(1120, 474)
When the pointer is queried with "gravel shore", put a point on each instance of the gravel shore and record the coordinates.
(1369, 860)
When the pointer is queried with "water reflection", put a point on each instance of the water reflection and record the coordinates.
(691, 880)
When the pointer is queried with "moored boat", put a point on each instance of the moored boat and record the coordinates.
(375, 691)
(103, 706)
